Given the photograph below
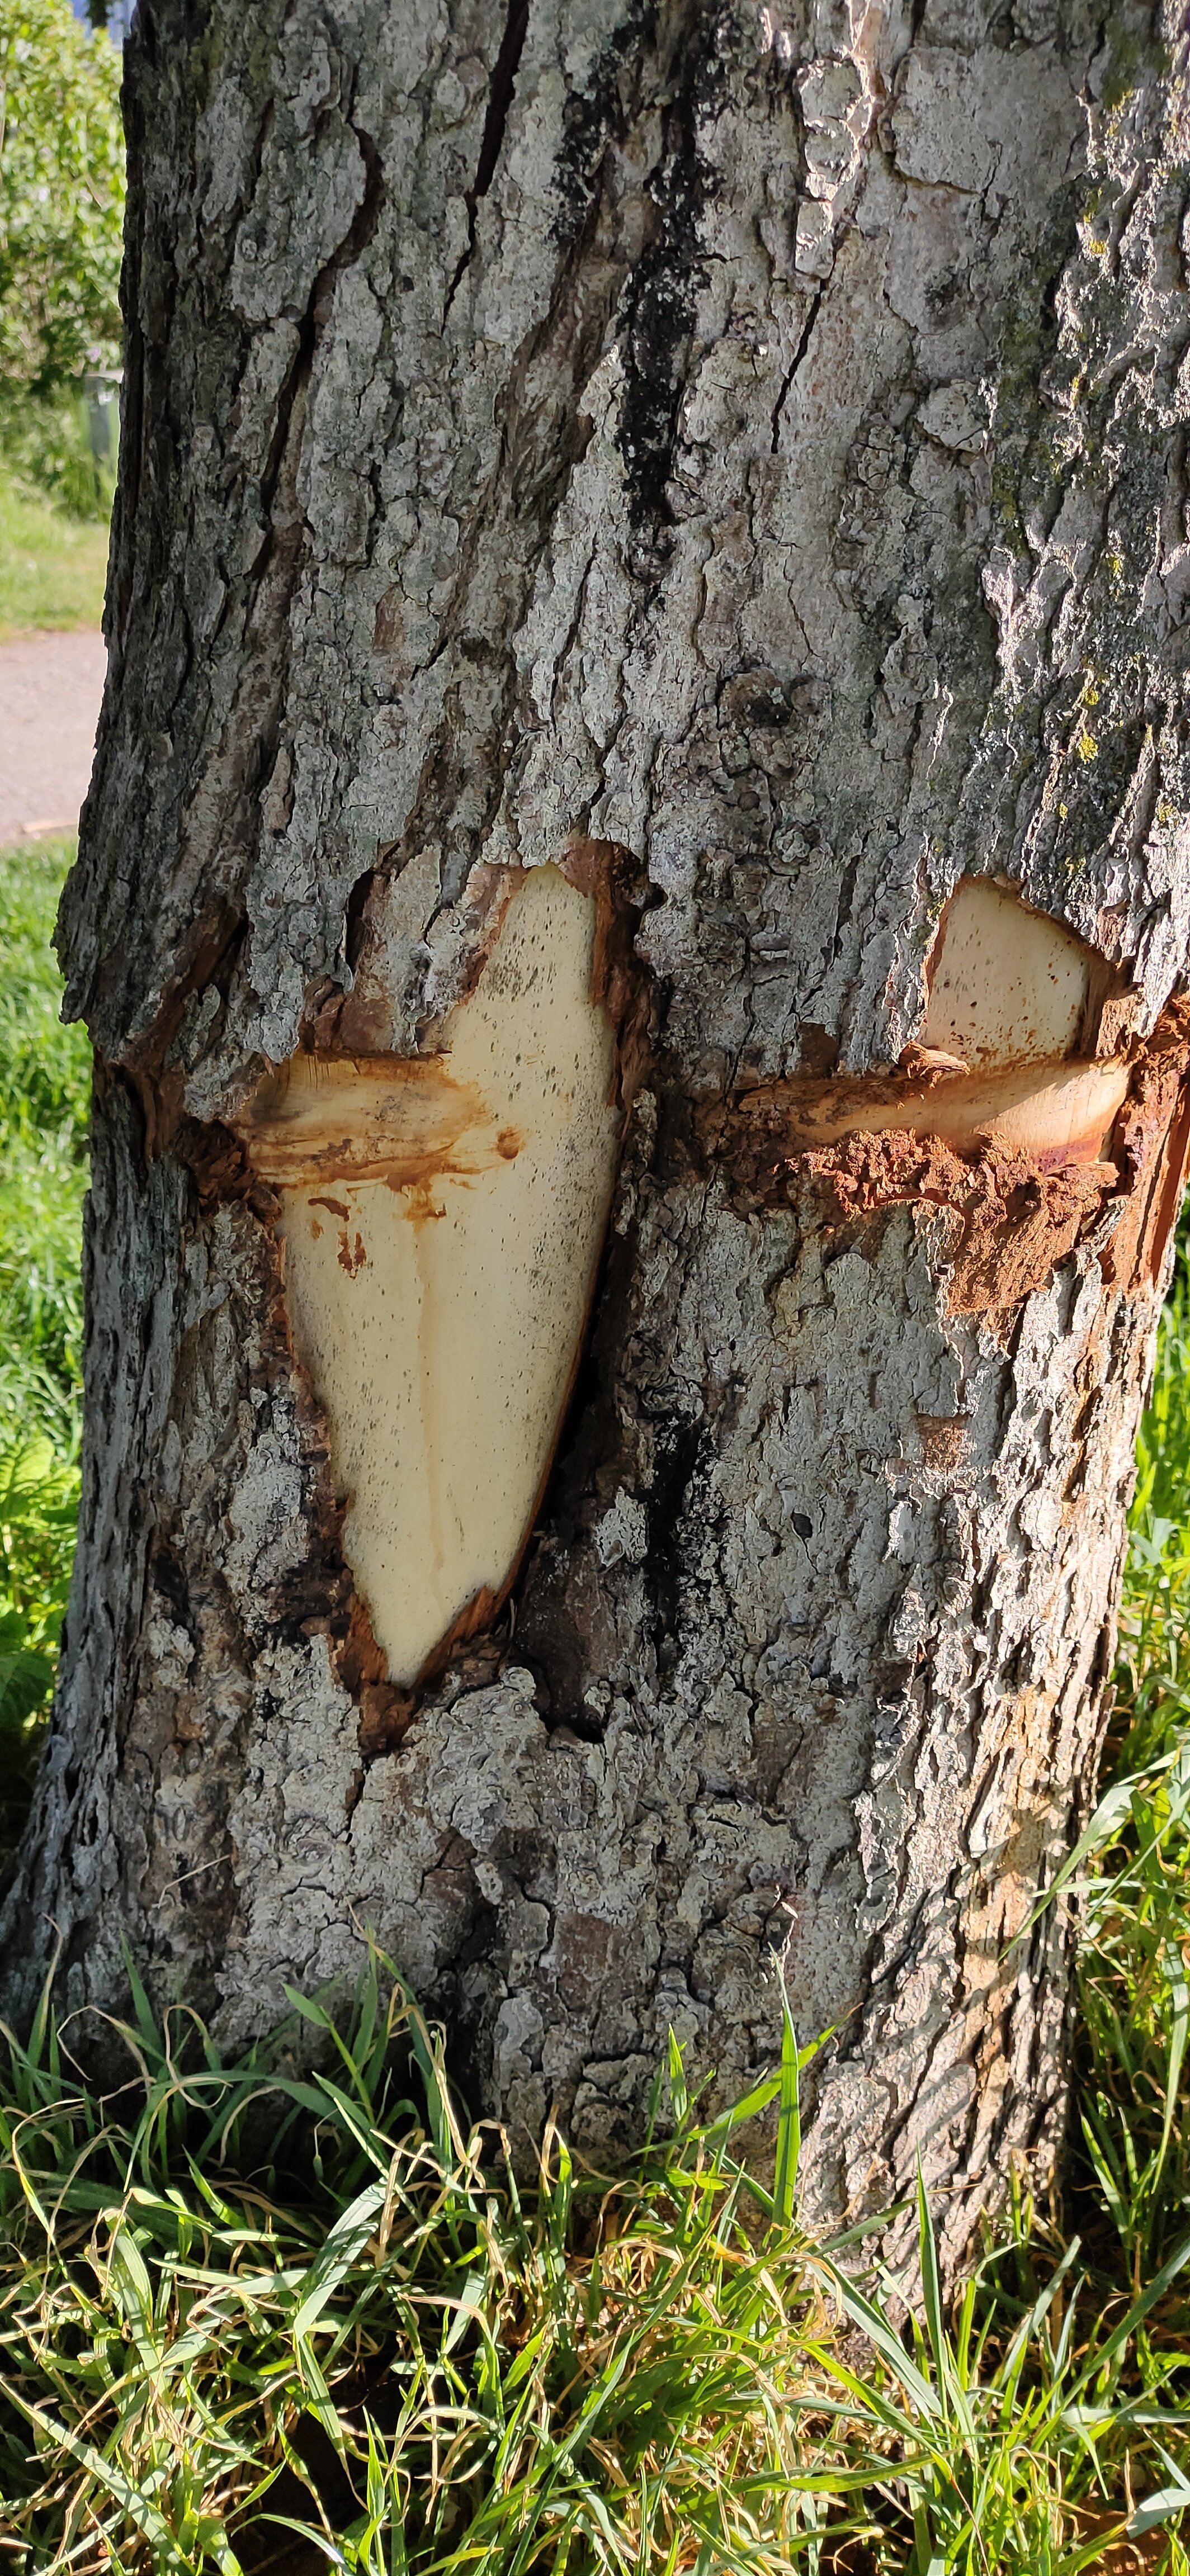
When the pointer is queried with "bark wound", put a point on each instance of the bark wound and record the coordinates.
(441, 1221)
(1026, 1111)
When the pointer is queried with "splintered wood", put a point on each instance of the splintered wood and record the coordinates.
(442, 1220)
(1015, 1112)
(442, 1214)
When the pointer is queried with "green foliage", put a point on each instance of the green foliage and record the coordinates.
(46, 455)
(39, 1498)
(44, 1095)
(61, 196)
(61, 227)
(44, 1108)
(1163, 1449)
(52, 569)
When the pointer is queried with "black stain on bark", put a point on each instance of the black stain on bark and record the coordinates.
(659, 303)
(679, 1444)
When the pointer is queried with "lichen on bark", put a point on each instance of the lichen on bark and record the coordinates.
(750, 439)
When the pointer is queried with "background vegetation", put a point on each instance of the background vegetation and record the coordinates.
(61, 196)
(255, 2318)
(44, 1093)
(61, 221)
(52, 563)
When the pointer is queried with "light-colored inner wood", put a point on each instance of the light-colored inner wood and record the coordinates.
(442, 1224)
(1004, 982)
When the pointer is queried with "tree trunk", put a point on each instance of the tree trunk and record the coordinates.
(649, 574)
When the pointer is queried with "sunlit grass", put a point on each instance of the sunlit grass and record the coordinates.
(242, 2300)
(44, 1108)
(1133, 2157)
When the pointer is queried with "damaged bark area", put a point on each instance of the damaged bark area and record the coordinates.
(1064, 1119)
(441, 1221)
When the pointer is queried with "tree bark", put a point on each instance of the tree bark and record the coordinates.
(738, 452)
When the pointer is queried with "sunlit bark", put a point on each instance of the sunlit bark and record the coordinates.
(743, 444)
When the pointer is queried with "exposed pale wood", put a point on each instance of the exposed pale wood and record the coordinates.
(442, 1220)
(1003, 982)
(1052, 1113)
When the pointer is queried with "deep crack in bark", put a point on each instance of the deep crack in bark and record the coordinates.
(500, 97)
(787, 381)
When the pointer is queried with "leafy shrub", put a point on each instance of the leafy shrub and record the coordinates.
(45, 448)
(61, 196)
(61, 226)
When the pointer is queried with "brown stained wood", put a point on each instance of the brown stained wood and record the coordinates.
(323, 1120)
(1025, 1162)
(1051, 1113)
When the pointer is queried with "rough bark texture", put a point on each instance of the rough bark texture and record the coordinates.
(750, 437)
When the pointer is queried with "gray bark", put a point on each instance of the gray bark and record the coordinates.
(752, 438)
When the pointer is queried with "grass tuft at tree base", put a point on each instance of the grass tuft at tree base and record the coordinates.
(368, 2337)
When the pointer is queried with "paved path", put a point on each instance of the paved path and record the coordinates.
(50, 688)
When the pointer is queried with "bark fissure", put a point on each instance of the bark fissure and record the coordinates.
(658, 310)
(500, 97)
(789, 378)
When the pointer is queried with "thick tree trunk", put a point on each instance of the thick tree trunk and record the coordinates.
(728, 457)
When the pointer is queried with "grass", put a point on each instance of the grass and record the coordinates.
(241, 2303)
(254, 2317)
(1135, 1972)
(45, 1085)
(44, 1094)
(55, 504)
(52, 565)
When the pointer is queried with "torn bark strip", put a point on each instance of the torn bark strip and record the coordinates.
(1051, 1113)
(1022, 1112)
(1025, 1163)
(439, 1216)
